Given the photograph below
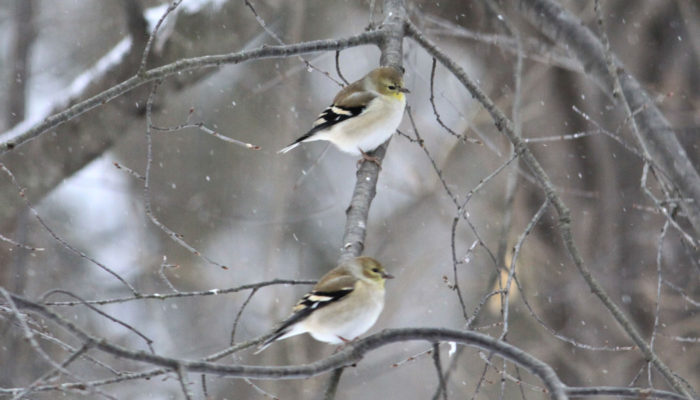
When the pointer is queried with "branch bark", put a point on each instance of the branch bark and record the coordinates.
(391, 46)
(355, 232)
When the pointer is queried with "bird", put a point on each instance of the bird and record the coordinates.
(344, 304)
(363, 115)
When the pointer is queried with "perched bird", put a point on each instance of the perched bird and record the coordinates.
(344, 304)
(363, 115)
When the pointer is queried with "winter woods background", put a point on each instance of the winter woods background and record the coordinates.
(138, 209)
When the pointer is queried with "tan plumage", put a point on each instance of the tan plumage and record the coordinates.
(344, 304)
(363, 115)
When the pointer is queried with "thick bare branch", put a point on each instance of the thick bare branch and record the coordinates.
(351, 354)
(391, 46)
(13, 140)
(627, 392)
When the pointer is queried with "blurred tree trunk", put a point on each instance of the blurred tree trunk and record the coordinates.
(71, 146)
(23, 37)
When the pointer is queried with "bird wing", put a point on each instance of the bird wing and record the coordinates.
(332, 287)
(343, 108)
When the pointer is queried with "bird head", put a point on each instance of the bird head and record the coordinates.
(372, 270)
(388, 81)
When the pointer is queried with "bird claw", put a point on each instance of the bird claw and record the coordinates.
(345, 343)
(367, 157)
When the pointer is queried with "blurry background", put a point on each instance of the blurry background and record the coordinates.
(265, 215)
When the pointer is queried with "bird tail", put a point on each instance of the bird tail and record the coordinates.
(307, 137)
(286, 149)
(278, 334)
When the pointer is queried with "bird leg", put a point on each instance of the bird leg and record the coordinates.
(342, 346)
(367, 157)
(345, 343)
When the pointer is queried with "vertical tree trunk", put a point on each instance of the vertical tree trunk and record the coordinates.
(24, 33)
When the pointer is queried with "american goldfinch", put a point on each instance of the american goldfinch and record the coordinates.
(344, 304)
(363, 115)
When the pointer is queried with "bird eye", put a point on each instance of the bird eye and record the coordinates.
(391, 87)
(375, 270)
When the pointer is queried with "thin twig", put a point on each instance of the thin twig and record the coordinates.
(461, 137)
(508, 376)
(161, 273)
(682, 292)
(29, 335)
(557, 335)
(181, 372)
(270, 32)
(166, 296)
(337, 68)
(438, 369)
(260, 390)
(659, 280)
(571, 136)
(20, 245)
(200, 126)
(149, 43)
(59, 239)
(176, 237)
(463, 214)
(149, 341)
(129, 171)
(332, 385)
(239, 313)
(52, 372)
(516, 252)
(437, 169)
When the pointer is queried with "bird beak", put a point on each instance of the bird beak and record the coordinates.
(404, 90)
(387, 276)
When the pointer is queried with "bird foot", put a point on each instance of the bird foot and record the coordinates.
(345, 343)
(367, 157)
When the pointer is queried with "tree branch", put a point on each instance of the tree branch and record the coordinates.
(391, 46)
(633, 393)
(357, 213)
(351, 354)
(12, 140)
